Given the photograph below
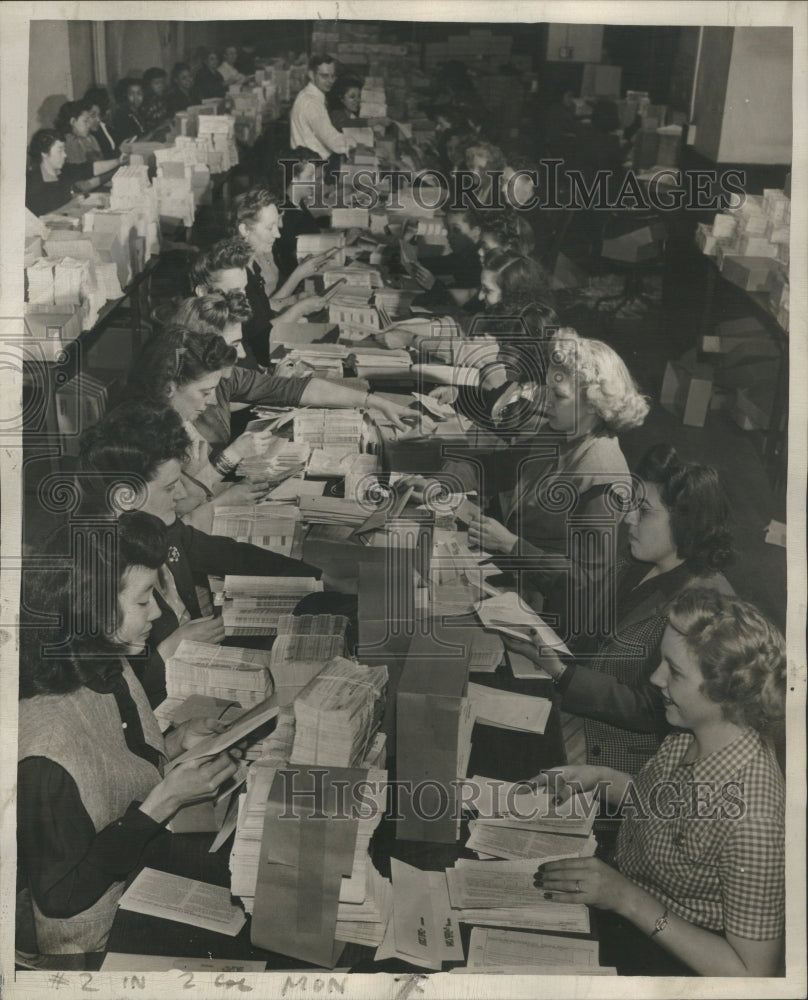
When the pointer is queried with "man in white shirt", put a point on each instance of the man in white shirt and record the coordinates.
(310, 124)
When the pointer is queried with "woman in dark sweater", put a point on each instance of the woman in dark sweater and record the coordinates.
(209, 82)
(51, 182)
(147, 444)
(91, 796)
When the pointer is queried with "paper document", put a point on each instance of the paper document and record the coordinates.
(507, 710)
(517, 844)
(532, 808)
(508, 614)
(239, 730)
(492, 947)
(171, 897)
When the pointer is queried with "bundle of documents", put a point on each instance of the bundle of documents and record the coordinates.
(338, 712)
(422, 930)
(330, 462)
(270, 525)
(494, 949)
(331, 428)
(502, 802)
(175, 198)
(373, 102)
(518, 840)
(507, 710)
(317, 243)
(130, 185)
(280, 460)
(69, 275)
(227, 672)
(332, 511)
(508, 614)
(368, 362)
(305, 644)
(350, 218)
(365, 922)
(39, 277)
(322, 359)
(351, 309)
(253, 605)
(502, 894)
(355, 275)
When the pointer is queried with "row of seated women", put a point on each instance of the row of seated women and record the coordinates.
(676, 685)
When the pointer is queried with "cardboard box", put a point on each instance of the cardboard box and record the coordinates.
(733, 333)
(53, 327)
(645, 243)
(686, 391)
(749, 273)
(429, 711)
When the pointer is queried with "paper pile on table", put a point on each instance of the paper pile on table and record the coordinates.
(338, 713)
(227, 672)
(331, 428)
(253, 605)
(269, 525)
(304, 645)
(502, 894)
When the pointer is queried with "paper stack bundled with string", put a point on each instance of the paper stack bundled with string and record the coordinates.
(270, 525)
(304, 645)
(227, 672)
(338, 713)
(253, 605)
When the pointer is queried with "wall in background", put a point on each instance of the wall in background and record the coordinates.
(50, 80)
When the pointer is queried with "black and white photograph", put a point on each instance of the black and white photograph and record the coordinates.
(403, 465)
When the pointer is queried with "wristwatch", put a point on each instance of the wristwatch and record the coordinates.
(660, 923)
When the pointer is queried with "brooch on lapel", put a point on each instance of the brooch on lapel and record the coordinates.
(173, 554)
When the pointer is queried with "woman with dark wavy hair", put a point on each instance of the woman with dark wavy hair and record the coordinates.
(678, 538)
(182, 368)
(91, 794)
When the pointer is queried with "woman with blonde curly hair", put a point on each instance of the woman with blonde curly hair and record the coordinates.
(562, 513)
(700, 860)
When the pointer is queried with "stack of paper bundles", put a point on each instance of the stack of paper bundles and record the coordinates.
(338, 712)
(304, 645)
(331, 428)
(253, 605)
(227, 672)
(502, 894)
(269, 525)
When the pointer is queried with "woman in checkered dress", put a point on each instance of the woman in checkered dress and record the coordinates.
(700, 861)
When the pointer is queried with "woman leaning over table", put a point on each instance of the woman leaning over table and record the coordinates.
(182, 368)
(701, 851)
(91, 795)
(678, 538)
(50, 182)
(571, 473)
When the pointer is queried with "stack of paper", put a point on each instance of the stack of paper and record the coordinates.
(369, 362)
(508, 614)
(517, 840)
(228, 672)
(280, 460)
(69, 275)
(366, 922)
(309, 245)
(322, 359)
(494, 949)
(508, 710)
(502, 894)
(355, 275)
(373, 102)
(40, 282)
(305, 644)
(423, 930)
(338, 712)
(330, 428)
(332, 510)
(253, 605)
(351, 308)
(270, 525)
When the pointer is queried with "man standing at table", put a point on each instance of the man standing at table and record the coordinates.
(310, 124)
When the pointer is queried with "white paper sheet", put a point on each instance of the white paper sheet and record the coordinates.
(158, 894)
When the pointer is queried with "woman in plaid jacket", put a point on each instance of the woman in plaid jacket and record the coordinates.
(678, 537)
(700, 861)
